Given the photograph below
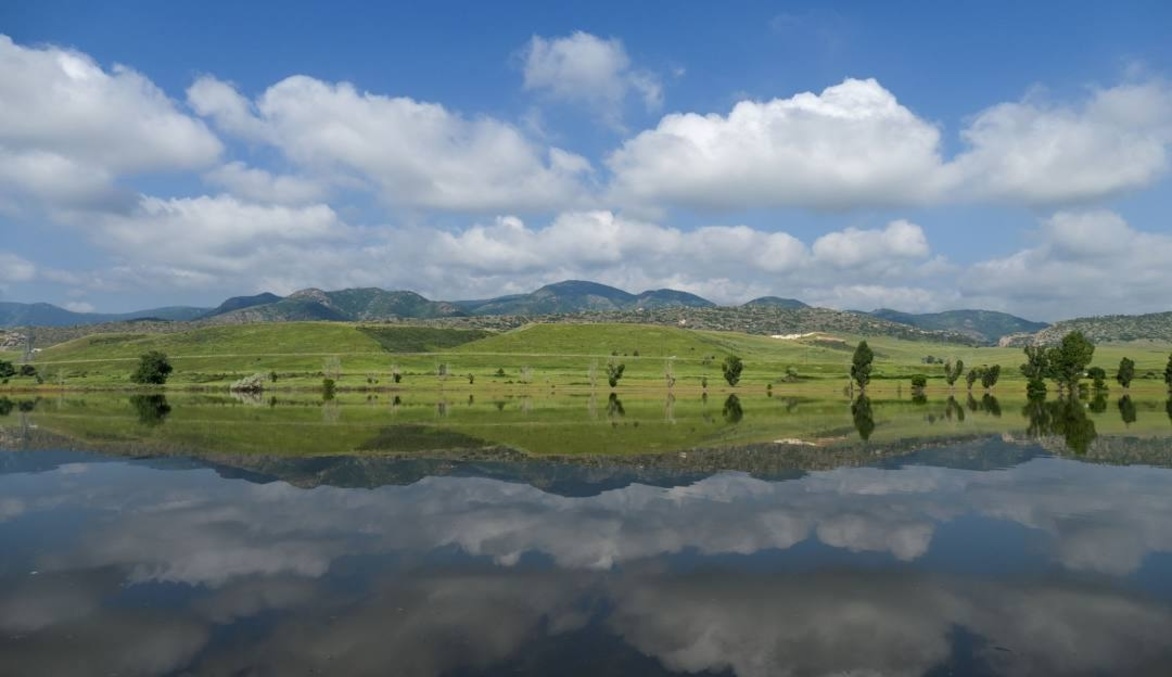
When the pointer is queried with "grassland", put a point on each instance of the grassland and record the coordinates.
(539, 358)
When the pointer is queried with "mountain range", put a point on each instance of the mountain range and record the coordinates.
(569, 297)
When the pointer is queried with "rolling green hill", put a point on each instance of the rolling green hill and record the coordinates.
(354, 305)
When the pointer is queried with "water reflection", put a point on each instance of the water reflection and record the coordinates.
(990, 405)
(614, 407)
(1098, 403)
(1065, 417)
(864, 419)
(570, 424)
(152, 410)
(952, 409)
(152, 567)
(732, 410)
(1126, 410)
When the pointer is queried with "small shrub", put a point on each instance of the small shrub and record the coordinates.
(732, 367)
(248, 384)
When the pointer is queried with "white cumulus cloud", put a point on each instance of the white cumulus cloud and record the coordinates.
(69, 128)
(409, 153)
(259, 185)
(852, 145)
(584, 68)
(1092, 261)
(1040, 153)
(855, 146)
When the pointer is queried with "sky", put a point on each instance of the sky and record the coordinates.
(921, 156)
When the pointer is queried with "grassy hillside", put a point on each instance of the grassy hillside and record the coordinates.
(535, 356)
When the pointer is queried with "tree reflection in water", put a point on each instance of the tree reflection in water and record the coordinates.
(1065, 417)
(152, 410)
(614, 408)
(952, 409)
(863, 417)
(1126, 409)
(732, 410)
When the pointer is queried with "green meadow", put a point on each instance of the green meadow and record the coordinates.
(541, 357)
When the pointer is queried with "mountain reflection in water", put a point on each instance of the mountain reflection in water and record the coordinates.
(935, 563)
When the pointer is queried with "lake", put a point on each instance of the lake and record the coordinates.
(580, 536)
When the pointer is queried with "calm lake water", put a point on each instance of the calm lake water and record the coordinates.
(964, 553)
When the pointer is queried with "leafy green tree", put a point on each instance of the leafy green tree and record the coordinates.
(1069, 359)
(732, 367)
(1036, 370)
(990, 375)
(1037, 364)
(1098, 377)
(153, 369)
(1168, 374)
(973, 376)
(614, 372)
(6, 369)
(861, 365)
(1126, 372)
(919, 381)
(952, 371)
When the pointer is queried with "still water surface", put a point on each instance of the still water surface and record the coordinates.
(988, 556)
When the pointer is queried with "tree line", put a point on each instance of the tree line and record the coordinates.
(1066, 364)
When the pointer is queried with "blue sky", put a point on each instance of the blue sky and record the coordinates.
(915, 155)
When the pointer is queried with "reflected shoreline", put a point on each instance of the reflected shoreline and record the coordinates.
(740, 433)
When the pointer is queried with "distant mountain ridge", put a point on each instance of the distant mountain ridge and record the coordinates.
(14, 314)
(774, 302)
(986, 326)
(570, 297)
(1102, 329)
